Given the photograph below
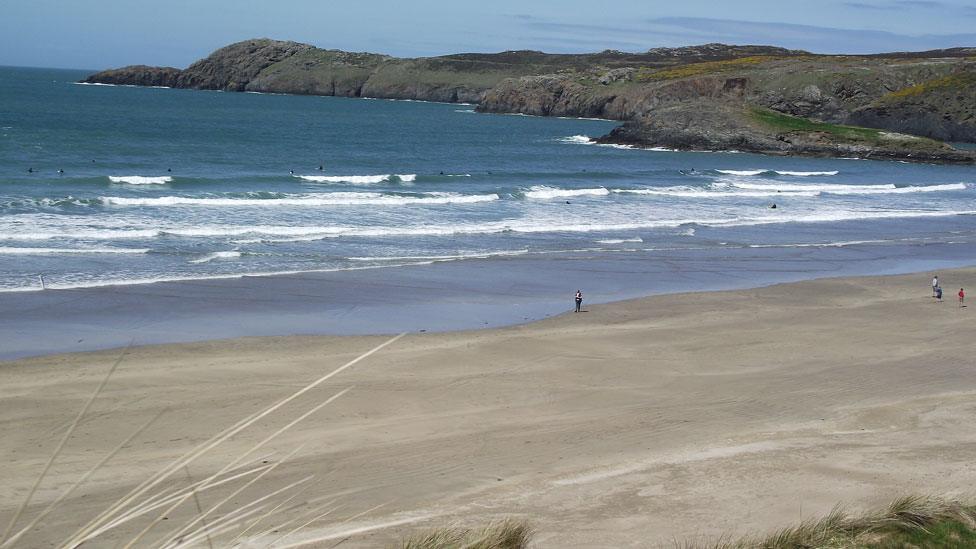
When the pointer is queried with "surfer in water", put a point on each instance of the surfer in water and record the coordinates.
(30, 170)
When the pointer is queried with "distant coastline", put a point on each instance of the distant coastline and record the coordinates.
(899, 106)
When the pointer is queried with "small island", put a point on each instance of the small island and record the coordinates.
(903, 106)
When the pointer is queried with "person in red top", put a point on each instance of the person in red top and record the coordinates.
(962, 297)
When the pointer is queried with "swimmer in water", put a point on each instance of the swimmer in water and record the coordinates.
(60, 171)
(773, 207)
(320, 167)
(292, 172)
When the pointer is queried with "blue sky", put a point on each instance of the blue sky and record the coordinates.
(96, 34)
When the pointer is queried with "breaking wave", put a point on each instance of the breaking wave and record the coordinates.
(542, 192)
(217, 255)
(749, 173)
(55, 251)
(300, 233)
(330, 199)
(140, 179)
(360, 179)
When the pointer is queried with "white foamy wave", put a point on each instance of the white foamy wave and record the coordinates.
(54, 251)
(619, 240)
(140, 179)
(845, 189)
(690, 231)
(359, 179)
(528, 226)
(83, 234)
(841, 244)
(577, 140)
(437, 258)
(798, 187)
(806, 174)
(330, 199)
(541, 192)
(715, 192)
(617, 146)
(903, 190)
(217, 255)
(742, 172)
(750, 173)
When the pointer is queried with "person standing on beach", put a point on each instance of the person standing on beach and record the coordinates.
(935, 284)
(962, 297)
(938, 293)
(579, 300)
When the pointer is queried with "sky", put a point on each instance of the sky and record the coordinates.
(98, 34)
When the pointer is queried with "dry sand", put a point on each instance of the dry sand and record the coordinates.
(632, 424)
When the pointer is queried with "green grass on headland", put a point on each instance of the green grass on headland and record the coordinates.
(786, 123)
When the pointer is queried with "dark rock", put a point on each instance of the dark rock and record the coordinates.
(137, 75)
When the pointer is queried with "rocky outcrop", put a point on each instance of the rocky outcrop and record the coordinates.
(731, 125)
(137, 75)
(231, 68)
(941, 108)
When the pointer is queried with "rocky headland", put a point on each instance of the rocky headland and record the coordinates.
(762, 99)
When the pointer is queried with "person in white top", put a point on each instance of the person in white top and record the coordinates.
(935, 284)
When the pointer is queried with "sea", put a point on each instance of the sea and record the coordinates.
(118, 186)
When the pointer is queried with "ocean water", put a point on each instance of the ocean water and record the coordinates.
(163, 185)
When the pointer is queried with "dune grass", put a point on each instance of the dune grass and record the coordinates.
(160, 491)
(509, 534)
(912, 522)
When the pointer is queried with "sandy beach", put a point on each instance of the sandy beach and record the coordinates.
(632, 424)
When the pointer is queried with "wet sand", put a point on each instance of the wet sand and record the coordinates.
(449, 296)
(632, 424)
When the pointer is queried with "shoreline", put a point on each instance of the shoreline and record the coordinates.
(682, 416)
(437, 297)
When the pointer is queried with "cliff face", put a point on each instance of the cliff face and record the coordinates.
(696, 97)
(706, 125)
(231, 68)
